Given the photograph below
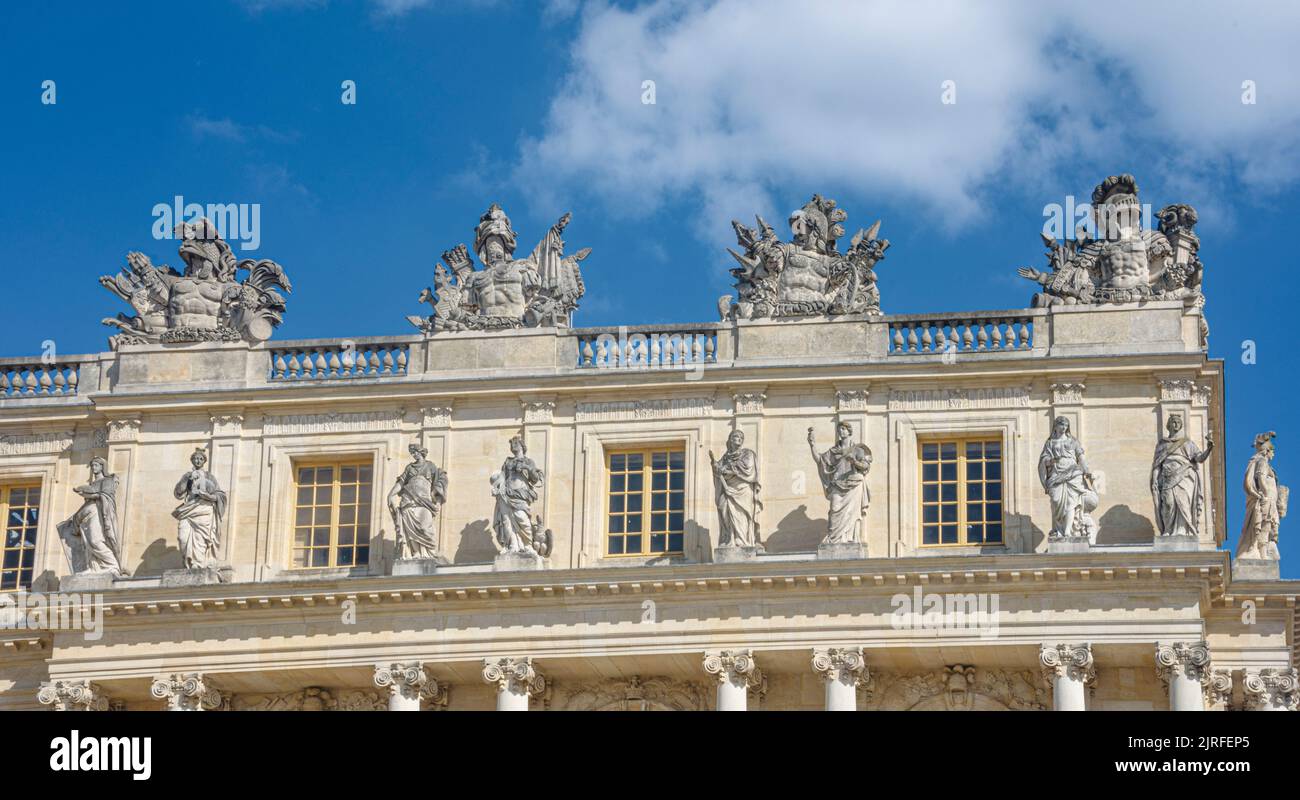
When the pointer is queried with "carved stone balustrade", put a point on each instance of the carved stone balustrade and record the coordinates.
(340, 360)
(983, 332)
(35, 378)
(643, 347)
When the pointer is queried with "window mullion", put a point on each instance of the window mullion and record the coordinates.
(961, 492)
(647, 499)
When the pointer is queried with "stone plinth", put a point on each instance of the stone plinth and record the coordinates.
(419, 566)
(1256, 569)
(204, 576)
(87, 582)
(1175, 544)
(517, 562)
(840, 551)
(733, 555)
(1068, 544)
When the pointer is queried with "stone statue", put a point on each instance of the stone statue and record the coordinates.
(515, 490)
(843, 472)
(1119, 262)
(205, 303)
(541, 290)
(203, 504)
(807, 276)
(1068, 482)
(736, 488)
(414, 501)
(1266, 503)
(91, 538)
(1176, 481)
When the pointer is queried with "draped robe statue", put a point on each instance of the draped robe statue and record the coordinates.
(515, 490)
(843, 472)
(1068, 483)
(203, 504)
(91, 537)
(414, 501)
(1176, 481)
(735, 486)
(1266, 503)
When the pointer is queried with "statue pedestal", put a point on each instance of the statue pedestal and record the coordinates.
(728, 554)
(840, 551)
(1068, 544)
(1176, 544)
(419, 566)
(1256, 569)
(87, 582)
(203, 576)
(517, 562)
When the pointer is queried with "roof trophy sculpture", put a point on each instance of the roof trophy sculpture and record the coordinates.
(540, 291)
(807, 276)
(205, 303)
(1117, 261)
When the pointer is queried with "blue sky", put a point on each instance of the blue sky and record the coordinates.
(539, 106)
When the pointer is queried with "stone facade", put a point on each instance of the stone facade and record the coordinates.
(1114, 621)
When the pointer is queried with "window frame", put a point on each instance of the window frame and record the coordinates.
(647, 452)
(960, 440)
(6, 486)
(338, 463)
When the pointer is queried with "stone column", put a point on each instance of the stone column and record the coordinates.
(516, 679)
(73, 696)
(736, 674)
(189, 691)
(1069, 669)
(1185, 669)
(842, 670)
(407, 685)
(1272, 690)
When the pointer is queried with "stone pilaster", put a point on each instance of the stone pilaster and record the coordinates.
(73, 696)
(843, 670)
(190, 691)
(736, 674)
(1069, 668)
(1185, 669)
(223, 451)
(516, 679)
(1272, 690)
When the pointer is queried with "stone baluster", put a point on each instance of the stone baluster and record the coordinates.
(843, 670)
(1185, 669)
(516, 679)
(1069, 668)
(736, 674)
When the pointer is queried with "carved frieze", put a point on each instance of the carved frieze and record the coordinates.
(619, 410)
(635, 694)
(26, 444)
(958, 687)
(332, 422)
(1067, 393)
(851, 399)
(959, 398)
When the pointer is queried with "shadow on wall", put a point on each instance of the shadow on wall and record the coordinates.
(475, 546)
(1119, 525)
(1023, 536)
(157, 558)
(797, 533)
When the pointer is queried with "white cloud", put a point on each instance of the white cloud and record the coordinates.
(761, 95)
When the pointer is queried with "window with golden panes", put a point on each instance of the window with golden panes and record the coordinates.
(20, 505)
(331, 526)
(961, 491)
(645, 512)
